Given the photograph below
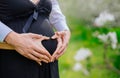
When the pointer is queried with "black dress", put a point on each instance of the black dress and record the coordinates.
(23, 16)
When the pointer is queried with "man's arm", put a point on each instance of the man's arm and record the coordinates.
(62, 34)
(57, 19)
(4, 31)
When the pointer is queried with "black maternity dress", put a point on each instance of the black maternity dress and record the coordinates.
(23, 17)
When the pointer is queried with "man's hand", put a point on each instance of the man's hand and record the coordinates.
(63, 39)
(27, 45)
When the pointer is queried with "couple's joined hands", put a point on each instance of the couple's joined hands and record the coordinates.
(29, 45)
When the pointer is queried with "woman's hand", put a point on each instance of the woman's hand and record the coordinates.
(63, 40)
(26, 45)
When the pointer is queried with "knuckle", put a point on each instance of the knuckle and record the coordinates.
(36, 59)
(41, 56)
(23, 53)
(28, 56)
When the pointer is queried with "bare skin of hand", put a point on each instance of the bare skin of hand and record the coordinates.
(63, 40)
(26, 45)
(39, 43)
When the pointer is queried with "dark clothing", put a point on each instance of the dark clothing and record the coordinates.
(16, 14)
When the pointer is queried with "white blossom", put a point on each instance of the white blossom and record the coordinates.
(77, 67)
(113, 39)
(111, 36)
(103, 18)
(86, 72)
(103, 37)
(114, 46)
(82, 54)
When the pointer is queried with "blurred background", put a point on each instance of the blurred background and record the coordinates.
(94, 48)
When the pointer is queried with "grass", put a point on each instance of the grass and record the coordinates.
(82, 37)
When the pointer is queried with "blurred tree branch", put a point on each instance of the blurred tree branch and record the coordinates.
(107, 60)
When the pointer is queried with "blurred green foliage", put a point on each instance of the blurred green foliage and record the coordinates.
(82, 36)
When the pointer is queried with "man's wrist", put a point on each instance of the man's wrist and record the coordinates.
(11, 37)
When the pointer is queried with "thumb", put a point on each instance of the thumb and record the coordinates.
(55, 36)
(45, 38)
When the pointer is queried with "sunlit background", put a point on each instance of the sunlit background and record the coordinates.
(94, 48)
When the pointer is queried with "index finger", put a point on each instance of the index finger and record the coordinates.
(57, 49)
(40, 49)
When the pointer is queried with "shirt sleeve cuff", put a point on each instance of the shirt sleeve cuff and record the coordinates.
(4, 31)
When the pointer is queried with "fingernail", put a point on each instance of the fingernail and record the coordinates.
(51, 37)
(40, 64)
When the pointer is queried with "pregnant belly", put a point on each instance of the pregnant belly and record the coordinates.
(43, 27)
(40, 26)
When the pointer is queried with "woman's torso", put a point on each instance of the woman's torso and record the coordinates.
(15, 14)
